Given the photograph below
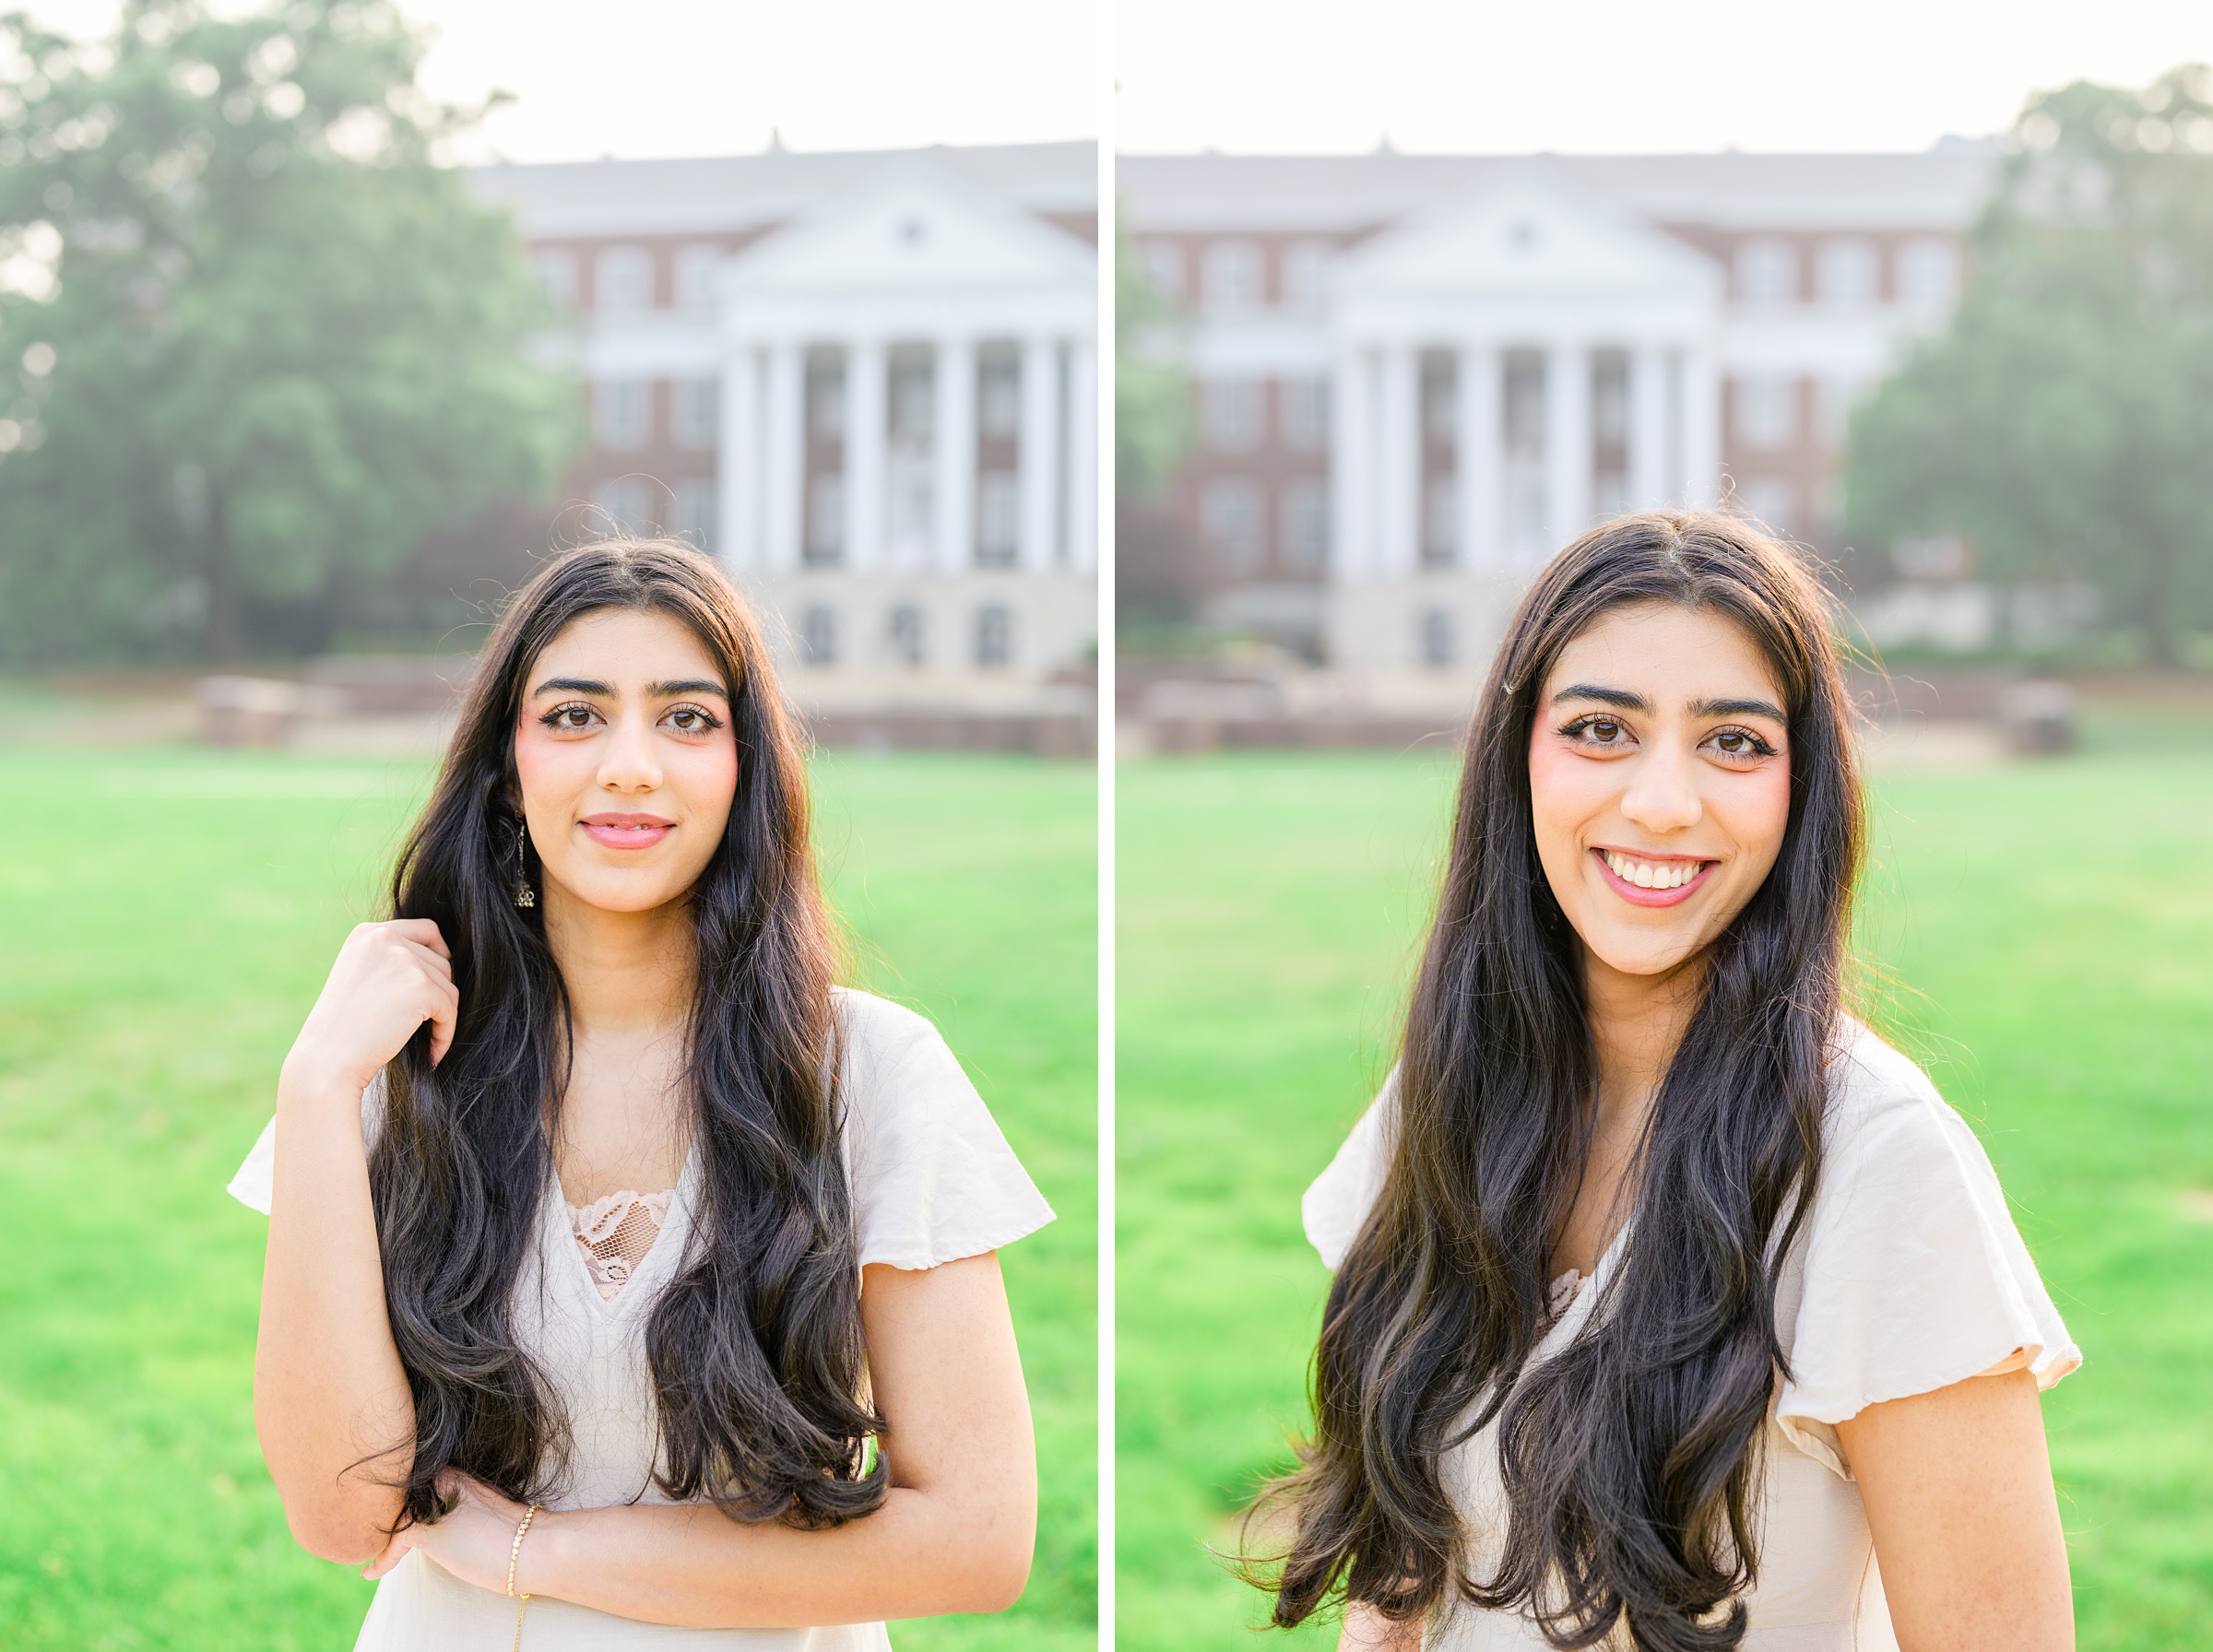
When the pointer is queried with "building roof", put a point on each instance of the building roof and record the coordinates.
(721, 194)
(1936, 189)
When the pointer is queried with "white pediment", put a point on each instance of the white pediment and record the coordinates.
(914, 227)
(1529, 234)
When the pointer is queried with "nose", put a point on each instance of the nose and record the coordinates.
(629, 762)
(1662, 794)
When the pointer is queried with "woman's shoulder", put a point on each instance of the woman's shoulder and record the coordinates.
(1877, 1093)
(875, 1033)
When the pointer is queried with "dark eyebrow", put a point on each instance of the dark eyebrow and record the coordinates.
(654, 690)
(1738, 708)
(1620, 699)
(691, 685)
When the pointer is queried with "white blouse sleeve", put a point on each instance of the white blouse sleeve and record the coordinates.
(1914, 1276)
(254, 1185)
(933, 1180)
(1338, 1202)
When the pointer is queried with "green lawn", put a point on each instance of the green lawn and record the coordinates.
(167, 915)
(2049, 930)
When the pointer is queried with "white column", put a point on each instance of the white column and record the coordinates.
(784, 450)
(1567, 443)
(954, 452)
(1083, 539)
(1649, 483)
(1701, 416)
(1040, 449)
(1401, 462)
(865, 368)
(1480, 457)
(1351, 468)
(738, 467)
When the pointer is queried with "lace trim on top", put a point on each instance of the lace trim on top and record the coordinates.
(616, 1232)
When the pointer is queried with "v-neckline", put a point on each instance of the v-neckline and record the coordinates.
(679, 1216)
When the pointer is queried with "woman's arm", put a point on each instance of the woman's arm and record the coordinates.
(331, 1402)
(955, 1535)
(1958, 1487)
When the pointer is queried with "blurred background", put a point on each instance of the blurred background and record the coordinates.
(1407, 300)
(321, 323)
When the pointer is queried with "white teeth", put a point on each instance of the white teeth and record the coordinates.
(1646, 874)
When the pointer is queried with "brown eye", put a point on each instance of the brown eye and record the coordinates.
(1733, 744)
(574, 716)
(1605, 730)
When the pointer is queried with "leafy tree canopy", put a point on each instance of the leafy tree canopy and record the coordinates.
(2063, 421)
(254, 343)
(1151, 400)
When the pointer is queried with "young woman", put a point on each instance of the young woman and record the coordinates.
(1672, 1308)
(624, 1273)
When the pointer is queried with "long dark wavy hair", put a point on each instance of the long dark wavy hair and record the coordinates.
(1630, 1459)
(755, 1348)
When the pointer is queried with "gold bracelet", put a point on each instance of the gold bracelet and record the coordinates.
(514, 1553)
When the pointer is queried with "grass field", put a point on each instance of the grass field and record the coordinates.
(166, 917)
(2051, 929)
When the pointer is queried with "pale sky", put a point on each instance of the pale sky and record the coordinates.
(1613, 77)
(642, 77)
(653, 77)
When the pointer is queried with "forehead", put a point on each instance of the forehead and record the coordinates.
(624, 647)
(1668, 654)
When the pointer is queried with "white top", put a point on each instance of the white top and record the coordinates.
(933, 1180)
(1909, 1277)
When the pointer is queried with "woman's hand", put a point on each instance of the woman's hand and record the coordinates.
(473, 1542)
(388, 980)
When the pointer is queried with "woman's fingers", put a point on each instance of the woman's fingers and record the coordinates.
(423, 932)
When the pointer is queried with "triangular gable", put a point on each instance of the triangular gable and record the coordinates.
(913, 227)
(1530, 234)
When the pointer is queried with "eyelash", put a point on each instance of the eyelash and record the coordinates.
(1579, 727)
(709, 721)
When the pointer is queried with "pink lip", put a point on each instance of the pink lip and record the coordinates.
(627, 830)
(1652, 897)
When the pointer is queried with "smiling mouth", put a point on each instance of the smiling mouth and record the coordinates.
(627, 832)
(1658, 877)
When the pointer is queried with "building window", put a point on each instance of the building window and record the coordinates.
(1235, 274)
(906, 635)
(1437, 639)
(1772, 500)
(1766, 413)
(998, 518)
(623, 413)
(622, 280)
(1306, 265)
(827, 518)
(1303, 407)
(695, 267)
(1163, 267)
(1527, 532)
(1440, 521)
(693, 517)
(1848, 271)
(994, 636)
(694, 412)
(1767, 272)
(826, 395)
(818, 636)
(1834, 403)
(1928, 272)
(1231, 524)
(556, 272)
(627, 503)
(1303, 524)
(1231, 414)
(999, 397)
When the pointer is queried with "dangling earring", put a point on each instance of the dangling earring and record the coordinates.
(525, 896)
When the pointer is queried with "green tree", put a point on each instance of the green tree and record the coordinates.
(2062, 424)
(1157, 581)
(255, 342)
